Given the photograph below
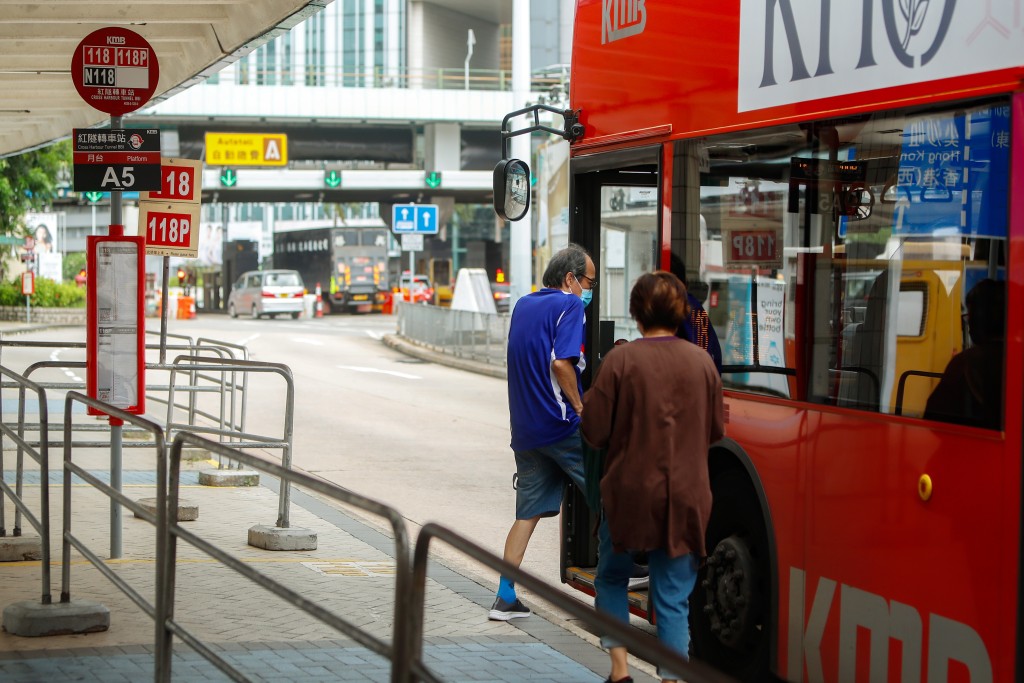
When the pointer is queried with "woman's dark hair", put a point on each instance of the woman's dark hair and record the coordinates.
(572, 259)
(986, 311)
(658, 300)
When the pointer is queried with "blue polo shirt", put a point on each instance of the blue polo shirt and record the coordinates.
(546, 325)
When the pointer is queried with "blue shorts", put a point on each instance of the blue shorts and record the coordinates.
(541, 476)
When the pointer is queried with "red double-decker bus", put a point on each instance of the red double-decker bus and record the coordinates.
(844, 184)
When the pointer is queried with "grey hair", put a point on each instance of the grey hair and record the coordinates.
(572, 259)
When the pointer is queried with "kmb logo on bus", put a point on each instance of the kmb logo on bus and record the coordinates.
(622, 19)
(885, 621)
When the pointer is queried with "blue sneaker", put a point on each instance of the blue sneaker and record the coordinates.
(503, 611)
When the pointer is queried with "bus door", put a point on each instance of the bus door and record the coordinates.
(614, 214)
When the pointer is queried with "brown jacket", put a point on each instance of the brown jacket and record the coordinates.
(656, 406)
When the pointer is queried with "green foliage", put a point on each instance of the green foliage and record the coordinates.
(49, 294)
(72, 264)
(28, 182)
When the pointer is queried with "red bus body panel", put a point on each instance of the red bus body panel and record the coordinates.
(853, 537)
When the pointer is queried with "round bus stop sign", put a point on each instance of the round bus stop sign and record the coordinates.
(115, 70)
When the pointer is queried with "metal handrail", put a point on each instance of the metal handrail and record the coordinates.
(42, 523)
(70, 468)
(168, 627)
(208, 364)
(651, 650)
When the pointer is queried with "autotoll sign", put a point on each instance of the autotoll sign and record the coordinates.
(116, 159)
(115, 70)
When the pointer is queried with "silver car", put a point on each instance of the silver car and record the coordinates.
(267, 292)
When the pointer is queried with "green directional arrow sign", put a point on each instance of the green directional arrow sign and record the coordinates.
(228, 177)
(332, 178)
(93, 197)
(433, 180)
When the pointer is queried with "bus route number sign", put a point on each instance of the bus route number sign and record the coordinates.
(115, 70)
(170, 229)
(754, 247)
(180, 181)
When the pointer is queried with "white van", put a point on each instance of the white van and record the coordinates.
(267, 292)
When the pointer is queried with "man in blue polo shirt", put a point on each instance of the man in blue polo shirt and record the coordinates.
(545, 359)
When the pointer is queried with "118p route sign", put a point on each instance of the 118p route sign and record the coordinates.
(115, 70)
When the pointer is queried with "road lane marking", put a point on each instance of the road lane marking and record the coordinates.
(55, 356)
(303, 340)
(246, 340)
(403, 375)
(375, 335)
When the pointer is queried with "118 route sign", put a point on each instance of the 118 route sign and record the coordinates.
(115, 70)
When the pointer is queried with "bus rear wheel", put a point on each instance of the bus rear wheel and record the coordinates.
(730, 615)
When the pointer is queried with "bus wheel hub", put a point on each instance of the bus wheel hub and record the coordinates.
(727, 585)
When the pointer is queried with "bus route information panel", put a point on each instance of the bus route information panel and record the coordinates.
(116, 364)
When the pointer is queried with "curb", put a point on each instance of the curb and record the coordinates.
(429, 353)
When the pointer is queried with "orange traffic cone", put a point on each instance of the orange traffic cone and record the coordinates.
(319, 302)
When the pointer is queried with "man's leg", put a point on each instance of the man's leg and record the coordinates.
(506, 605)
(518, 538)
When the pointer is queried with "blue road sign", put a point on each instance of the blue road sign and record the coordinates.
(414, 218)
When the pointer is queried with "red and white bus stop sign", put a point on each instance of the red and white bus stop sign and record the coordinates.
(115, 70)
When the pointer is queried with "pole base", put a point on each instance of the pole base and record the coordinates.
(34, 619)
(276, 538)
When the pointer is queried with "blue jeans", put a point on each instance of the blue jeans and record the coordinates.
(672, 581)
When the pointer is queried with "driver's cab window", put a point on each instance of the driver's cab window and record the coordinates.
(888, 230)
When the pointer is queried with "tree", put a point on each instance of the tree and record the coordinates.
(28, 182)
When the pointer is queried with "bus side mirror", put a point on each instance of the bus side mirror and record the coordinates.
(511, 189)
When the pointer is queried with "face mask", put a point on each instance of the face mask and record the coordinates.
(587, 295)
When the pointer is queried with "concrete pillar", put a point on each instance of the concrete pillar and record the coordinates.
(521, 232)
(442, 148)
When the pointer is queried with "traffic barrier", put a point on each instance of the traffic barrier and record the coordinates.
(319, 302)
(186, 308)
(388, 307)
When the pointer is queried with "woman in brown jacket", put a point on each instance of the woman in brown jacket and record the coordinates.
(656, 406)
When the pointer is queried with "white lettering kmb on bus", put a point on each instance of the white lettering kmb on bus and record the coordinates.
(800, 50)
(948, 641)
(622, 19)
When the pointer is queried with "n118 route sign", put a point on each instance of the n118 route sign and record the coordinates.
(170, 229)
(115, 70)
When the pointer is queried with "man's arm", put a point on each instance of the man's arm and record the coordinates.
(565, 374)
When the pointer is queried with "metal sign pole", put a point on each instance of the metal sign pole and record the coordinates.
(163, 311)
(116, 461)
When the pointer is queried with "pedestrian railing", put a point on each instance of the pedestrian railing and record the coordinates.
(196, 366)
(403, 667)
(38, 452)
(118, 500)
(637, 643)
(229, 389)
(481, 337)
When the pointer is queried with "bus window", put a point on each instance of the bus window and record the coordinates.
(732, 234)
(629, 248)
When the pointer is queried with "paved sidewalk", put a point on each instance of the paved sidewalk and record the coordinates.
(351, 573)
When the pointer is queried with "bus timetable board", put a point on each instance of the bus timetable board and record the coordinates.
(115, 70)
(115, 339)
